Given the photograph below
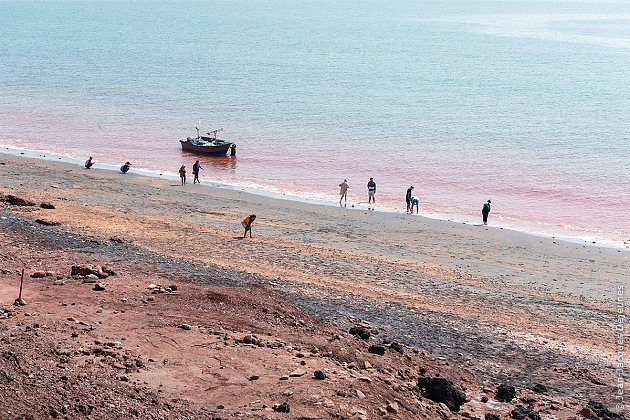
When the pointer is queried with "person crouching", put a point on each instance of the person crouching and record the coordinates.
(247, 224)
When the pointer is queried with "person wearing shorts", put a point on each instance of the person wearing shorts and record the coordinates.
(371, 191)
(247, 224)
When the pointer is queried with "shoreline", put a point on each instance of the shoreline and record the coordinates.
(167, 175)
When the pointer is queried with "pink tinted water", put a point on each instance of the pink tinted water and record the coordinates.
(529, 191)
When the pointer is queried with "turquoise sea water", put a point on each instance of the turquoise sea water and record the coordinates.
(523, 102)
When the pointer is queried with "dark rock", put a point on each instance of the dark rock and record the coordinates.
(587, 413)
(85, 270)
(99, 287)
(319, 374)
(185, 327)
(484, 399)
(539, 389)
(38, 275)
(17, 201)
(603, 412)
(490, 416)
(254, 377)
(380, 350)
(282, 408)
(523, 413)
(444, 391)
(108, 271)
(250, 339)
(47, 222)
(397, 347)
(360, 332)
(82, 270)
(117, 239)
(173, 287)
(505, 393)
(48, 206)
(392, 408)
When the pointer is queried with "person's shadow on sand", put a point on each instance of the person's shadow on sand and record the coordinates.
(239, 238)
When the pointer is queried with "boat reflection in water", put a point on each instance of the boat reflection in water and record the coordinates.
(216, 163)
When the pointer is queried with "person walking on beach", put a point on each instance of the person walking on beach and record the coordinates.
(125, 168)
(408, 200)
(247, 224)
(344, 192)
(371, 191)
(485, 211)
(182, 174)
(89, 163)
(196, 167)
(415, 201)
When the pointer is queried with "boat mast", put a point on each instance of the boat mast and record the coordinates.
(215, 132)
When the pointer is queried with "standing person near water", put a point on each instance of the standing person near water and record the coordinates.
(182, 174)
(371, 191)
(343, 191)
(408, 200)
(485, 211)
(196, 167)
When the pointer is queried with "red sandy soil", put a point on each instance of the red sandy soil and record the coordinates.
(73, 352)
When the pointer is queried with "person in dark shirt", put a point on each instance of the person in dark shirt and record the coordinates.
(125, 168)
(485, 211)
(182, 174)
(196, 167)
(371, 191)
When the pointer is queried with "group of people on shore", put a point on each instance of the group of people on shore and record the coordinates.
(246, 223)
(182, 170)
(412, 200)
(195, 170)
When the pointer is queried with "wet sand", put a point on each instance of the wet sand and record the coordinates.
(506, 305)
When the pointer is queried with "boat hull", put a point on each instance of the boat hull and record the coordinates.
(205, 149)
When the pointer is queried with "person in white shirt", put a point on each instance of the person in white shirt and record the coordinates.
(415, 201)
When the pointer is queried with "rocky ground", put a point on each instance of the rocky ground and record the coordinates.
(186, 335)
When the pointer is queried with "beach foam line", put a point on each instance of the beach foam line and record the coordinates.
(317, 199)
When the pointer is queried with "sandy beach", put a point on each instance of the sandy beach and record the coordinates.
(482, 305)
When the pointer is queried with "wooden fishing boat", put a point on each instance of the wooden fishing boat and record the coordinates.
(208, 145)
